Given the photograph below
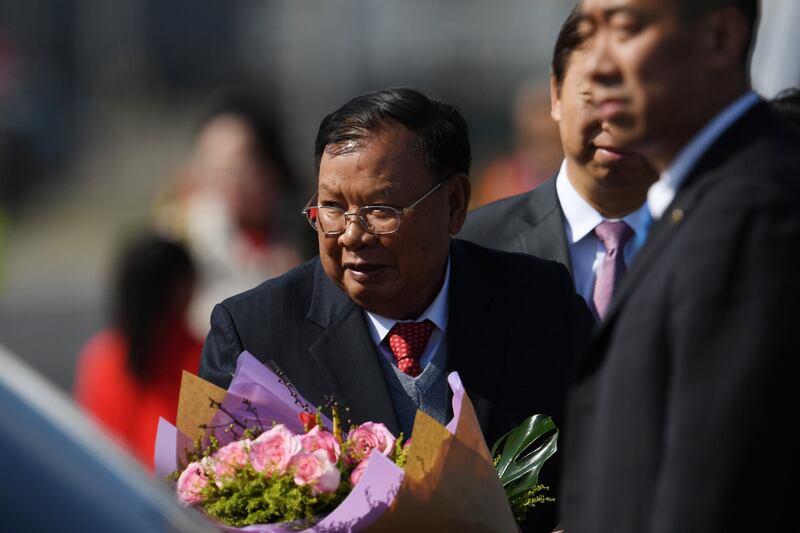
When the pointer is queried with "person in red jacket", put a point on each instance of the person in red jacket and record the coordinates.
(128, 375)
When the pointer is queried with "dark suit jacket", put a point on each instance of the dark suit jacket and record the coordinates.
(681, 414)
(531, 223)
(514, 328)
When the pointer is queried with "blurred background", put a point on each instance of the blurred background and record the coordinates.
(104, 107)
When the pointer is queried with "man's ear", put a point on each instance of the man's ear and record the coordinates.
(458, 195)
(727, 33)
(555, 100)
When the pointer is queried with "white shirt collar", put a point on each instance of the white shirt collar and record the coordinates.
(663, 191)
(437, 312)
(581, 217)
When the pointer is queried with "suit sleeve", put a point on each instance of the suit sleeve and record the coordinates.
(731, 393)
(221, 349)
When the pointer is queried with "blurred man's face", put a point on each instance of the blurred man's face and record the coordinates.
(396, 275)
(645, 71)
(587, 143)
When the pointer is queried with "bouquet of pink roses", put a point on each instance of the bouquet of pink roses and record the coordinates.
(280, 476)
(301, 471)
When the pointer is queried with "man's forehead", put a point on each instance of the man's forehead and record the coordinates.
(607, 8)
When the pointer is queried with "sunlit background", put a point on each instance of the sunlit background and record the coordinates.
(100, 100)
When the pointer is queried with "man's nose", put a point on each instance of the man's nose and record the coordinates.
(354, 234)
(601, 64)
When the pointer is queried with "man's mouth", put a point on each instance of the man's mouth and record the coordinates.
(363, 271)
(611, 154)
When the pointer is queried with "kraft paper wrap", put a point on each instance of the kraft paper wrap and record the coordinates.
(194, 405)
(450, 482)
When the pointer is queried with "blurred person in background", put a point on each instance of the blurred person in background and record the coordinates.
(592, 207)
(537, 150)
(230, 205)
(129, 374)
(787, 104)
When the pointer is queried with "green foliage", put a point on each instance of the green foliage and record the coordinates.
(524, 451)
(400, 455)
(522, 504)
(252, 498)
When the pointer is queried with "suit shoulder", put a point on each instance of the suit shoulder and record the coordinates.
(514, 264)
(298, 280)
(499, 208)
(500, 223)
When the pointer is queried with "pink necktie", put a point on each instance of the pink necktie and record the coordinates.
(407, 341)
(613, 235)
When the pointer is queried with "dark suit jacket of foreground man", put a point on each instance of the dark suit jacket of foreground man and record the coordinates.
(515, 325)
(690, 386)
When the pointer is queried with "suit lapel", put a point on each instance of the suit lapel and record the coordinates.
(471, 337)
(546, 236)
(347, 357)
(682, 207)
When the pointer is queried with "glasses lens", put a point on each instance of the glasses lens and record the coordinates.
(380, 219)
(330, 219)
(312, 213)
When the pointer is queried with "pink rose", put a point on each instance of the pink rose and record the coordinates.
(273, 450)
(367, 436)
(314, 469)
(192, 482)
(228, 460)
(319, 439)
(358, 471)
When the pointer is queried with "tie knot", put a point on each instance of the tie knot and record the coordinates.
(407, 340)
(613, 234)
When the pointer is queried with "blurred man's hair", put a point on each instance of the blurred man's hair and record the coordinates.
(787, 104)
(441, 130)
(569, 38)
(692, 9)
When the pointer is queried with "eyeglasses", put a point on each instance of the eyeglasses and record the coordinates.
(375, 219)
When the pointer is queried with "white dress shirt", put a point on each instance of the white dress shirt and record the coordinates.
(379, 326)
(663, 191)
(586, 251)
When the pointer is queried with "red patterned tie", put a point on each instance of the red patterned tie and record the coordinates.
(407, 341)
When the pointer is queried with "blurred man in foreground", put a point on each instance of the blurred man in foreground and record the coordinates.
(679, 416)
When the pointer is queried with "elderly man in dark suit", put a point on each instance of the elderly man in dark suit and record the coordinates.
(393, 303)
(680, 417)
(589, 215)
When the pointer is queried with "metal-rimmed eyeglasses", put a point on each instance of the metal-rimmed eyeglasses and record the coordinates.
(375, 219)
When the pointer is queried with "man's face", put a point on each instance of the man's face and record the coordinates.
(645, 68)
(399, 274)
(586, 141)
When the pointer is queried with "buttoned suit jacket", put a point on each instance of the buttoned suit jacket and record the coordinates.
(681, 412)
(531, 223)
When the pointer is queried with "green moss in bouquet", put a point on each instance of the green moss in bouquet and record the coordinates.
(252, 498)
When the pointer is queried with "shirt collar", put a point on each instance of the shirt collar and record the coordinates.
(663, 191)
(437, 312)
(581, 217)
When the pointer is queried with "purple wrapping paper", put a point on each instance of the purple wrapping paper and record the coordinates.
(368, 500)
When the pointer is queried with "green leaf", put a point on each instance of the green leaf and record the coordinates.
(524, 452)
